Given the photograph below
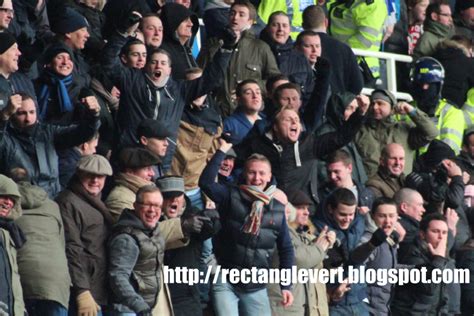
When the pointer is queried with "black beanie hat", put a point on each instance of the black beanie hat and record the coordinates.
(462, 5)
(54, 50)
(437, 152)
(7, 40)
(70, 21)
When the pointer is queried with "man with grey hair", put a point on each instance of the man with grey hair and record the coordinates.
(136, 253)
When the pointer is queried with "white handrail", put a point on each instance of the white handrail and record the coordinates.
(391, 70)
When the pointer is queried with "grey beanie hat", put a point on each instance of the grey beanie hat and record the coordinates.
(385, 95)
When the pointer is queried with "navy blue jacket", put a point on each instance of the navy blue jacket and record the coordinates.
(345, 75)
(339, 255)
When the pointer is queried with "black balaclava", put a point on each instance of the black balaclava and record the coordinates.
(427, 100)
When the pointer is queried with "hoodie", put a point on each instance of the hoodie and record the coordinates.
(172, 15)
(334, 119)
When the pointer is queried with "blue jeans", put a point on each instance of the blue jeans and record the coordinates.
(195, 198)
(229, 300)
(45, 307)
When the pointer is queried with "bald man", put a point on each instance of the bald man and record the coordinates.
(390, 176)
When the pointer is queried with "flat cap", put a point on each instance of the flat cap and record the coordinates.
(154, 129)
(170, 186)
(95, 164)
(135, 158)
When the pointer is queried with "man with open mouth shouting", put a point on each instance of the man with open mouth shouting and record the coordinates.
(152, 93)
(293, 153)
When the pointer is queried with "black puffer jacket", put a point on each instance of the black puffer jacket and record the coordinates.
(172, 15)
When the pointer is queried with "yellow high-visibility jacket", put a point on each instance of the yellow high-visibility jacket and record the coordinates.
(359, 23)
(294, 9)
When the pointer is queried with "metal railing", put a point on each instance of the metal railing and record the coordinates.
(391, 80)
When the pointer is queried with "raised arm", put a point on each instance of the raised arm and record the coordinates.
(424, 130)
(219, 193)
(111, 63)
(315, 108)
(212, 77)
(332, 141)
(74, 135)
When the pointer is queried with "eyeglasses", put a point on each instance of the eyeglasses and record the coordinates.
(155, 206)
(8, 11)
(444, 14)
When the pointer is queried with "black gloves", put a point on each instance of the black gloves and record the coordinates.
(378, 238)
(211, 214)
(322, 67)
(213, 225)
(132, 19)
(228, 38)
(230, 138)
(193, 224)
